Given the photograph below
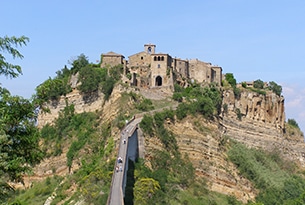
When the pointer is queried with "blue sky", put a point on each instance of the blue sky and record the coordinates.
(252, 39)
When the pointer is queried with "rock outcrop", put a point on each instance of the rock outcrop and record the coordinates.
(259, 121)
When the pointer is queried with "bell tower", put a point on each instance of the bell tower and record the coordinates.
(149, 48)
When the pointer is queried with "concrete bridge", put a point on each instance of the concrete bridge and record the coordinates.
(131, 147)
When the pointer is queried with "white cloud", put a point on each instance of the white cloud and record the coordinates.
(295, 103)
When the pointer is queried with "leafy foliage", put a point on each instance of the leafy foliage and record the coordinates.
(258, 84)
(80, 62)
(202, 100)
(7, 45)
(293, 123)
(230, 79)
(275, 180)
(277, 89)
(19, 137)
(90, 78)
(144, 189)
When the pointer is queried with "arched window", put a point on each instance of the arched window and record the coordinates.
(149, 50)
(162, 58)
(158, 58)
(155, 58)
(158, 81)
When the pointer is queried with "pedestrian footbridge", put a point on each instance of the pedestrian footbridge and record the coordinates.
(131, 149)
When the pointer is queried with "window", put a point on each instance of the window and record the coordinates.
(162, 58)
(149, 49)
(141, 57)
(155, 58)
(159, 66)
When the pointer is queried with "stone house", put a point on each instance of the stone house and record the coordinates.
(149, 69)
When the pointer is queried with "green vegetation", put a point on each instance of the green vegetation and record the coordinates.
(82, 132)
(293, 123)
(170, 179)
(275, 178)
(203, 100)
(259, 84)
(19, 137)
(230, 79)
(9, 45)
(91, 78)
(277, 89)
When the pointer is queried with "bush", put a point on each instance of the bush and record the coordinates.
(244, 84)
(90, 78)
(293, 123)
(259, 84)
(230, 79)
(145, 105)
(147, 124)
(182, 111)
(277, 89)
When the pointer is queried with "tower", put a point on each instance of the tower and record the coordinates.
(149, 48)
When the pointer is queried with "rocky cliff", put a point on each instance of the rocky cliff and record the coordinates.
(259, 121)
(253, 119)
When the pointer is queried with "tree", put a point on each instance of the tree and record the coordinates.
(19, 136)
(79, 63)
(7, 45)
(258, 84)
(231, 80)
(277, 89)
(19, 139)
(293, 123)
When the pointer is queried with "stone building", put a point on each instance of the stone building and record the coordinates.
(112, 59)
(148, 69)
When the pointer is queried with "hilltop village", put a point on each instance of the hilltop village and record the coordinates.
(148, 69)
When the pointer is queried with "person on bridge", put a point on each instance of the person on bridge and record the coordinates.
(124, 140)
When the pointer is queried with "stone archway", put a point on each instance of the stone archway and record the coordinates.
(158, 81)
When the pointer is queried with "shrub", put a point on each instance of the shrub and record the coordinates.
(259, 84)
(236, 92)
(147, 124)
(244, 84)
(90, 78)
(238, 113)
(277, 89)
(182, 111)
(293, 123)
(230, 79)
(145, 105)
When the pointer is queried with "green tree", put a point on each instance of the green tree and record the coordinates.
(144, 190)
(19, 139)
(79, 63)
(18, 134)
(90, 78)
(258, 84)
(230, 79)
(9, 45)
(277, 89)
(293, 123)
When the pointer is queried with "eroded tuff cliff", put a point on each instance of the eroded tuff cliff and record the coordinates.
(260, 123)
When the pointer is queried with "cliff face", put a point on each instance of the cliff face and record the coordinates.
(202, 142)
(261, 123)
